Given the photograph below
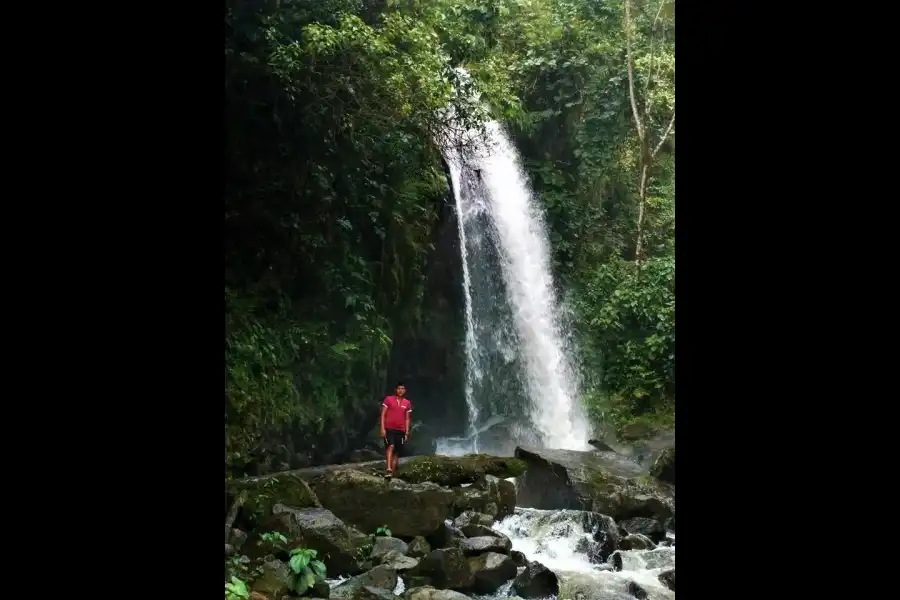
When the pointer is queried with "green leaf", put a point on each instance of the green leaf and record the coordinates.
(298, 562)
(300, 585)
(310, 578)
(318, 568)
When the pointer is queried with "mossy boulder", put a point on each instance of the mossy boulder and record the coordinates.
(339, 546)
(636, 431)
(598, 481)
(664, 466)
(262, 493)
(275, 580)
(457, 470)
(368, 502)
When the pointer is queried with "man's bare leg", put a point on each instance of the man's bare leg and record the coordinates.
(396, 460)
(390, 459)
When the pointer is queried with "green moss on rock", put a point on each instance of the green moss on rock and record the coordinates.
(456, 470)
(262, 494)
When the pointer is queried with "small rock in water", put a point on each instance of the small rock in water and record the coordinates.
(536, 581)
(651, 528)
(667, 578)
(636, 541)
(616, 560)
(637, 591)
(605, 533)
(518, 558)
(320, 589)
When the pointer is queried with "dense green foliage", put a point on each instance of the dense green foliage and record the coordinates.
(334, 189)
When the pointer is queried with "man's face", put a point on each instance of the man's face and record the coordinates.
(401, 390)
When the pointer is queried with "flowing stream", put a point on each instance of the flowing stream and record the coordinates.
(518, 364)
(557, 539)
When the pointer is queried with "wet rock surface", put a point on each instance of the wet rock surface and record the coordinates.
(491, 570)
(598, 481)
(536, 581)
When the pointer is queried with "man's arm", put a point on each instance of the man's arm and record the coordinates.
(408, 419)
(383, 411)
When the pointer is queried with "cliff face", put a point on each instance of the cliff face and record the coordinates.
(431, 358)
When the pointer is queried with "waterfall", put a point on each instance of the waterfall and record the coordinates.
(518, 367)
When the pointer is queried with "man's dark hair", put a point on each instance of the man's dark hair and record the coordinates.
(399, 383)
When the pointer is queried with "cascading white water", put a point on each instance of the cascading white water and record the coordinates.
(472, 372)
(557, 540)
(514, 342)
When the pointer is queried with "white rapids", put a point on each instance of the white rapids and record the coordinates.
(556, 539)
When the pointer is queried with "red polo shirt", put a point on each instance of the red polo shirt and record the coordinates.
(397, 408)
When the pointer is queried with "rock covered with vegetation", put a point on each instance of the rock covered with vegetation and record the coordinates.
(289, 549)
(363, 526)
(455, 471)
(598, 481)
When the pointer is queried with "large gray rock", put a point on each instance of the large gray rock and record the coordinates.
(489, 495)
(275, 580)
(384, 544)
(380, 577)
(482, 544)
(444, 568)
(399, 562)
(597, 481)
(338, 545)
(369, 502)
(447, 536)
(651, 528)
(470, 517)
(364, 592)
(667, 578)
(636, 541)
(430, 593)
(491, 570)
(479, 530)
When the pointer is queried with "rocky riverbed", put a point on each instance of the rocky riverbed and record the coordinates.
(545, 524)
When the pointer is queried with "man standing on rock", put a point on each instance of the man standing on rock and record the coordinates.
(395, 417)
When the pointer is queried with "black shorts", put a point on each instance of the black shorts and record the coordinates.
(395, 438)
